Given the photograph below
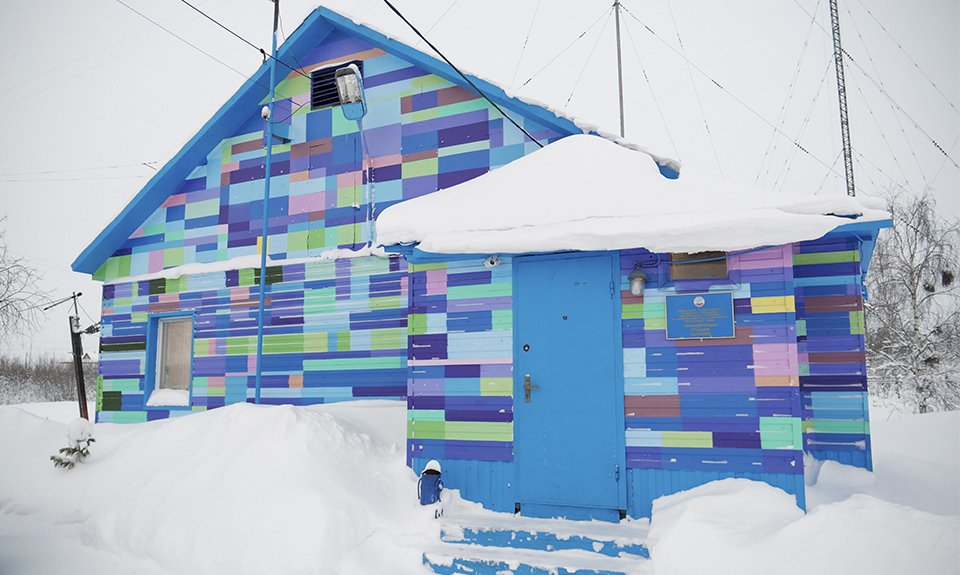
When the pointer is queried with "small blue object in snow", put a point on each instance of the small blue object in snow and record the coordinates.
(430, 484)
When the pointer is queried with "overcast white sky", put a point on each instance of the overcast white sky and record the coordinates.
(91, 84)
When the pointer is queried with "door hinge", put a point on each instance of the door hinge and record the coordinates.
(617, 474)
(612, 290)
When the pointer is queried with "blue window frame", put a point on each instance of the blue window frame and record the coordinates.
(161, 355)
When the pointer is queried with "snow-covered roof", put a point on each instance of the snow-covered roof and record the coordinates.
(231, 116)
(588, 193)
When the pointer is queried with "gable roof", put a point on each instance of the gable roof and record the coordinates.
(231, 116)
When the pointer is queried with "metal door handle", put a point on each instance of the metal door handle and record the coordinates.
(527, 388)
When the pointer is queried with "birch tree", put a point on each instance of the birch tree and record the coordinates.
(913, 311)
(20, 298)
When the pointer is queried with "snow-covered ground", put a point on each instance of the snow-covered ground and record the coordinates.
(257, 489)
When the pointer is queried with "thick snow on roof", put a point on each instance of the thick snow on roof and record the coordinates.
(588, 193)
(407, 38)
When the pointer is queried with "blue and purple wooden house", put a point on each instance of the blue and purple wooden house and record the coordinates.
(549, 381)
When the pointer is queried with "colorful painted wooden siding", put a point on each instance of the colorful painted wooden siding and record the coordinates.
(421, 134)
(460, 383)
(698, 410)
(333, 331)
(830, 338)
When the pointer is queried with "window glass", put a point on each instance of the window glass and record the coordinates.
(701, 265)
(174, 337)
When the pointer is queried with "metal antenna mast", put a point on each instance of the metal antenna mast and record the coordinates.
(842, 94)
(616, 8)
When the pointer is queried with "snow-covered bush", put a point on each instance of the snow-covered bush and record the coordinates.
(79, 438)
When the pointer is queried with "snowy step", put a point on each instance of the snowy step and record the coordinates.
(481, 543)
(521, 539)
(459, 559)
(503, 530)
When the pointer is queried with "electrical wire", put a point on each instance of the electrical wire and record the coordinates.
(653, 95)
(905, 53)
(96, 51)
(201, 50)
(462, 75)
(21, 180)
(437, 21)
(570, 45)
(89, 317)
(113, 167)
(788, 163)
(589, 57)
(826, 176)
(730, 94)
(179, 37)
(883, 133)
(944, 162)
(524, 47)
(881, 170)
(284, 35)
(876, 71)
(245, 41)
(773, 142)
(696, 92)
(886, 94)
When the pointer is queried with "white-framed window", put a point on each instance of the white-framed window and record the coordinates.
(172, 364)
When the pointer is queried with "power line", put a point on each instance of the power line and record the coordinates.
(589, 57)
(245, 41)
(656, 102)
(788, 163)
(827, 175)
(884, 92)
(703, 115)
(21, 180)
(773, 143)
(876, 71)
(944, 162)
(730, 94)
(179, 37)
(442, 16)
(912, 61)
(881, 170)
(113, 167)
(525, 40)
(462, 75)
(883, 134)
(295, 59)
(570, 45)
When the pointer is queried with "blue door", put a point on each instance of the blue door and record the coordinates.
(568, 386)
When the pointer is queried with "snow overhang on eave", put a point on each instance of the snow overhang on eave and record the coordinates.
(866, 232)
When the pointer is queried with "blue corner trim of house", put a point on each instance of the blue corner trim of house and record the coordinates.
(867, 233)
(246, 100)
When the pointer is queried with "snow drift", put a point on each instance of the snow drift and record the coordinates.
(743, 527)
(242, 489)
(587, 193)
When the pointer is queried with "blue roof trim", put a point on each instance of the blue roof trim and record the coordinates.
(238, 109)
(222, 125)
(865, 231)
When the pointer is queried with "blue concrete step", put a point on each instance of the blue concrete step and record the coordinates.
(522, 539)
(480, 560)
(499, 544)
